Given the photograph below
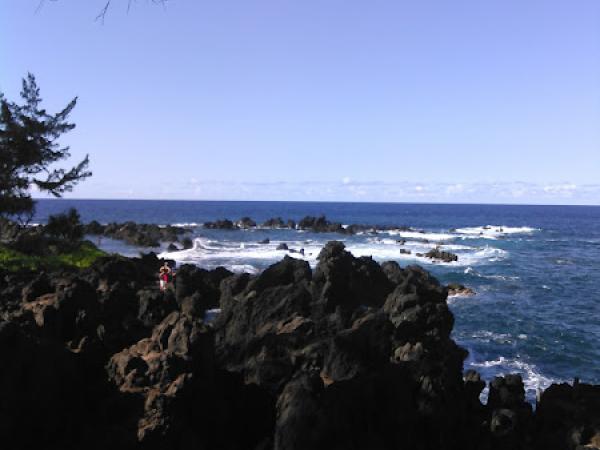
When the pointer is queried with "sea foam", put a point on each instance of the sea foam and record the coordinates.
(533, 379)
(492, 231)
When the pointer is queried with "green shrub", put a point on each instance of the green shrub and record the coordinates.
(65, 226)
(81, 256)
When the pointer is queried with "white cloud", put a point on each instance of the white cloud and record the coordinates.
(455, 189)
(351, 190)
(358, 191)
(561, 189)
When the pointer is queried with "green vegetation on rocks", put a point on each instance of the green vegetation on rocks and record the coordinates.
(81, 256)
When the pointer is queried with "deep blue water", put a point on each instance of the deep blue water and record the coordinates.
(536, 271)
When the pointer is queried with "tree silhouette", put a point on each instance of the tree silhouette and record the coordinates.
(29, 150)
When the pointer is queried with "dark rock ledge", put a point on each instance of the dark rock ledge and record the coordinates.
(318, 224)
(139, 234)
(350, 355)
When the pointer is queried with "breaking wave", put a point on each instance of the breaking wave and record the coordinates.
(533, 379)
(492, 231)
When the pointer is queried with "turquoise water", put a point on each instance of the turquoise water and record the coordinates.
(535, 271)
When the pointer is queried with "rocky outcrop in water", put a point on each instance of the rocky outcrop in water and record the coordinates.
(223, 224)
(440, 255)
(314, 224)
(320, 225)
(352, 354)
(460, 290)
(277, 222)
(142, 235)
(245, 223)
(274, 222)
(151, 235)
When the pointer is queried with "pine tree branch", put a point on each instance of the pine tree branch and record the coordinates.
(102, 13)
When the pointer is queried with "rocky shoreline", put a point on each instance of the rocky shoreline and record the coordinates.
(353, 354)
(141, 234)
(152, 235)
(314, 224)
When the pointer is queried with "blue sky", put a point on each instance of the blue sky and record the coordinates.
(436, 101)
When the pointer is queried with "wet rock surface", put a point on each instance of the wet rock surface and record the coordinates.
(457, 289)
(352, 354)
(439, 255)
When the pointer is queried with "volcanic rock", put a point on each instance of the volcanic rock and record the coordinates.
(456, 289)
(440, 255)
(276, 222)
(320, 225)
(245, 223)
(224, 224)
(352, 354)
(144, 235)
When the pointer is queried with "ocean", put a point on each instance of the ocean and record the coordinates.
(534, 268)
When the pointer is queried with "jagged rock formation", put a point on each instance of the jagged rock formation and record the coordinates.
(358, 354)
(143, 235)
(568, 416)
(245, 223)
(440, 255)
(224, 224)
(457, 289)
(277, 222)
(315, 224)
(353, 354)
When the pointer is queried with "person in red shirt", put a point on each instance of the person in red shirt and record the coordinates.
(163, 275)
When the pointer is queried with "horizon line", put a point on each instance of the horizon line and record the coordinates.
(314, 201)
